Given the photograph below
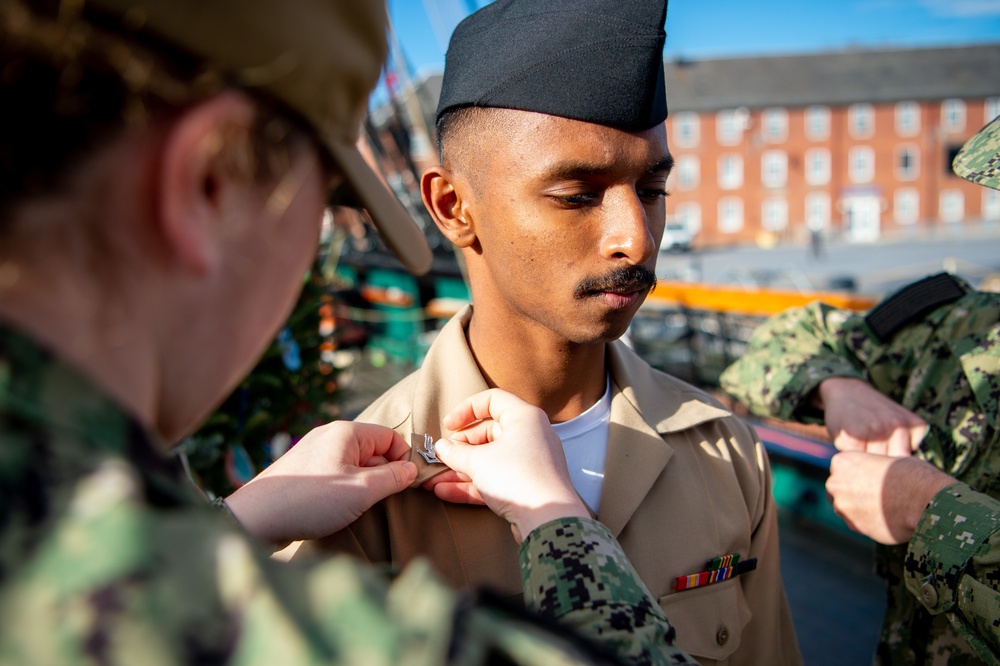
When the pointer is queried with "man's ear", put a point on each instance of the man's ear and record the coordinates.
(197, 183)
(445, 204)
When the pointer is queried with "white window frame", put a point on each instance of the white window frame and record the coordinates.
(861, 164)
(953, 115)
(861, 120)
(774, 124)
(817, 121)
(689, 214)
(991, 204)
(730, 215)
(991, 109)
(688, 172)
(774, 168)
(774, 214)
(906, 206)
(818, 172)
(729, 126)
(817, 213)
(687, 129)
(907, 117)
(914, 170)
(730, 171)
(951, 206)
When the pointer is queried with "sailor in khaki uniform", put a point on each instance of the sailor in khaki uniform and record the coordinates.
(551, 183)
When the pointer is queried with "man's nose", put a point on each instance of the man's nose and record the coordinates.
(627, 232)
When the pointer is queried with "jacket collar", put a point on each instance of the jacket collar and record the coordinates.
(645, 405)
(664, 402)
(449, 374)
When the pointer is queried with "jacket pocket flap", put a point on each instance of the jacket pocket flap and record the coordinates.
(709, 620)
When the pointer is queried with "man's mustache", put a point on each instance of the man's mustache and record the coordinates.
(624, 280)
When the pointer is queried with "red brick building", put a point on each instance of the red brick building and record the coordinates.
(857, 143)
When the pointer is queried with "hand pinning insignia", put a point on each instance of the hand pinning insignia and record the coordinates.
(427, 452)
(422, 454)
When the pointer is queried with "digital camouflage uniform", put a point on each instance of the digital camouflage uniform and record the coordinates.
(945, 367)
(109, 556)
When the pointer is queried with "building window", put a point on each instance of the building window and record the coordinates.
(817, 123)
(907, 118)
(730, 172)
(991, 204)
(953, 115)
(730, 215)
(817, 166)
(775, 125)
(906, 205)
(907, 167)
(951, 206)
(688, 172)
(861, 161)
(774, 214)
(729, 126)
(861, 120)
(774, 168)
(991, 109)
(817, 210)
(687, 131)
(689, 214)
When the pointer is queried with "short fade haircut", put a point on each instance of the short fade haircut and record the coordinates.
(457, 122)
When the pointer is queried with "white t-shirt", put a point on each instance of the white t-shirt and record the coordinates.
(585, 442)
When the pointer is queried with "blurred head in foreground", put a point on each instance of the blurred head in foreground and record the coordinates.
(165, 165)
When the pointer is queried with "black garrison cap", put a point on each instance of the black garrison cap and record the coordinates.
(600, 61)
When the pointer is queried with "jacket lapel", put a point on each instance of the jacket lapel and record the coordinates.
(448, 375)
(636, 458)
(646, 407)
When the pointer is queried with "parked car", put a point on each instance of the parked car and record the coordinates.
(676, 238)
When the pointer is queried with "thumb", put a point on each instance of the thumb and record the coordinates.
(453, 454)
(389, 479)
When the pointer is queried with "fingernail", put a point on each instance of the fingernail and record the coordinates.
(410, 469)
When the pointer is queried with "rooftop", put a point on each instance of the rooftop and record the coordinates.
(833, 78)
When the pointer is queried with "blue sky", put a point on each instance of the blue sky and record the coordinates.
(722, 28)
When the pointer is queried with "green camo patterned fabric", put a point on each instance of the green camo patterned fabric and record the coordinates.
(945, 368)
(979, 159)
(953, 564)
(109, 556)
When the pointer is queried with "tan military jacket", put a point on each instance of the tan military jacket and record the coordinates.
(685, 482)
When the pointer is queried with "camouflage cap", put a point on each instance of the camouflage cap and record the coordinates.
(979, 159)
(320, 58)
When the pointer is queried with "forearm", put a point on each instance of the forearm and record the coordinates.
(788, 356)
(573, 570)
(953, 564)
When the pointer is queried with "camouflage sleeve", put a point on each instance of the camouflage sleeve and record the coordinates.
(953, 565)
(574, 571)
(117, 580)
(787, 357)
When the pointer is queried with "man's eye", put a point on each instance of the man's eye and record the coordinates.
(651, 193)
(576, 200)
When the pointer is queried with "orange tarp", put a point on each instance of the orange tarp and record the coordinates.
(747, 301)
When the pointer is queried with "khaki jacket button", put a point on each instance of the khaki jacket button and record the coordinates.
(929, 595)
(722, 637)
